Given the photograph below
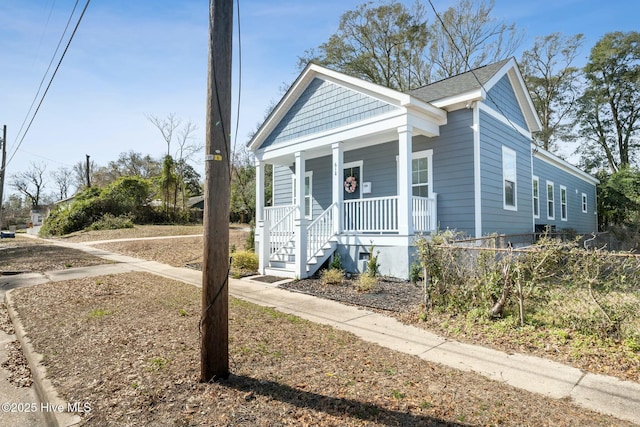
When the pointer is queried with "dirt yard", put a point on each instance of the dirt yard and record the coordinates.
(128, 345)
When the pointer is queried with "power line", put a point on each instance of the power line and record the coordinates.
(235, 138)
(50, 80)
(466, 62)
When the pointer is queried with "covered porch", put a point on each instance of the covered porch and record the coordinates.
(310, 231)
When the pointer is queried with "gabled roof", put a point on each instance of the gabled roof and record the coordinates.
(462, 83)
(459, 91)
(312, 71)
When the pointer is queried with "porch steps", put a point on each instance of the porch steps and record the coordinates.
(284, 261)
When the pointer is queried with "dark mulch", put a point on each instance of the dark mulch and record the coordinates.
(389, 294)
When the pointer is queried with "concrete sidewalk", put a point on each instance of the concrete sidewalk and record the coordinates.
(601, 393)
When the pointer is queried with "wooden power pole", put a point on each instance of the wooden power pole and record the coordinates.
(214, 323)
(88, 171)
(2, 167)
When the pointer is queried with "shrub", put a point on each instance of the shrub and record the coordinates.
(332, 276)
(336, 262)
(243, 263)
(373, 268)
(110, 222)
(366, 283)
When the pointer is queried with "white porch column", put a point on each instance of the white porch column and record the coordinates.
(259, 191)
(262, 226)
(336, 182)
(405, 216)
(300, 223)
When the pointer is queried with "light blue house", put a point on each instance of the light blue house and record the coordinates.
(355, 163)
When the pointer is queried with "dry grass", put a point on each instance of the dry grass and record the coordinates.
(128, 345)
(137, 231)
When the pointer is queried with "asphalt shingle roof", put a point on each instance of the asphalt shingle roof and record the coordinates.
(462, 83)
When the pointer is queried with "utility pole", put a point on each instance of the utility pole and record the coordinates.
(88, 172)
(214, 322)
(4, 161)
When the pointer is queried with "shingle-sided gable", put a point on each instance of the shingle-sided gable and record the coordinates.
(322, 106)
(502, 98)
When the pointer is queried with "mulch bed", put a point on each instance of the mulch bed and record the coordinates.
(389, 294)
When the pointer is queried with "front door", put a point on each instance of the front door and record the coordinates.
(352, 191)
(352, 182)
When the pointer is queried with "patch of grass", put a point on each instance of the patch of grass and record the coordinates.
(182, 312)
(398, 395)
(157, 363)
(97, 313)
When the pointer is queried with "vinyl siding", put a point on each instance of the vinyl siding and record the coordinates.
(322, 106)
(576, 219)
(282, 183)
(507, 104)
(495, 218)
(453, 171)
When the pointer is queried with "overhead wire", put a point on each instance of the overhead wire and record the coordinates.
(469, 69)
(15, 150)
(53, 57)
(235, 137)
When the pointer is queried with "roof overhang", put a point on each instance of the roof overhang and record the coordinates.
(556, 161)
(424, 118)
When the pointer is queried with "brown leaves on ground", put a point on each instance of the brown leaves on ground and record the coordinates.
(128, 344)
(23, 254)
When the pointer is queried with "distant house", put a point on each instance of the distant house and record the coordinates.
(356, 163)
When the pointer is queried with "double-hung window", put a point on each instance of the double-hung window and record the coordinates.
(584, 202)
(308, 195)
(421, 174)
(509, 179)
(563, 203)
(551, 208)
(536, 197)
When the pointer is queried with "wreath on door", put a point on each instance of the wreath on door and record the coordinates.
(350, 184)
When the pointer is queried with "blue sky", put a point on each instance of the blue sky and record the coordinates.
(130, 59)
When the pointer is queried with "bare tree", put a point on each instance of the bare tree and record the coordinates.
(30, 183)
(187, 148)
(63, 179)
(469, 37)
(80, 174)
(166, 127)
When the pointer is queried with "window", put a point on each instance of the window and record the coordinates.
(550, 201)
(563, 203)
(308, 197)
(536, 197)
(421, 173)
(509, 179)
(584, 203)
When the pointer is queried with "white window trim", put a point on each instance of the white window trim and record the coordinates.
(310, 195)
(584, 201)
(553, 200)
(565, 203)
(509, 151)
(356, 164)
(536, 201)
(428, 154)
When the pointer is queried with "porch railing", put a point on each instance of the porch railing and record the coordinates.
(424, 211)
(374, 215)
(320, 231)
(380, 214)
(282, 229)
